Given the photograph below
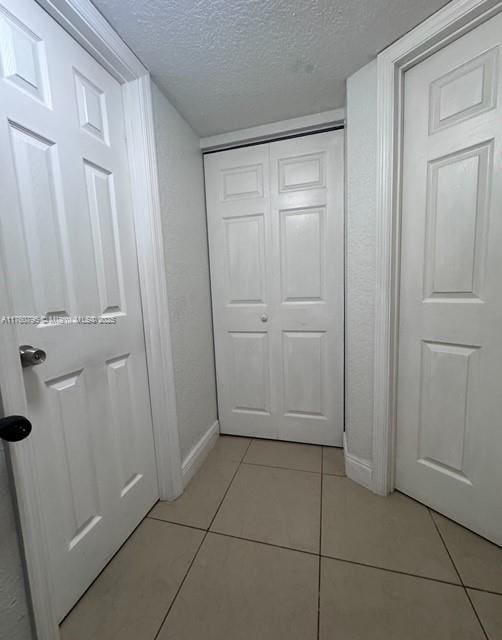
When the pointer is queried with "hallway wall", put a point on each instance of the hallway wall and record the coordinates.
(360, 262)
(181, 181)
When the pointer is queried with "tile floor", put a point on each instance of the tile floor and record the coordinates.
(270, 541)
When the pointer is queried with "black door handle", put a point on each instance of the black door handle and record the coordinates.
(14, 428)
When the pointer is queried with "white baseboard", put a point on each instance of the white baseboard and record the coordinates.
(198, 454)
(357, 469)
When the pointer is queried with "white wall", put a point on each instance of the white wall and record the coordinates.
(360, 267)
(182, 199)
(14, 619)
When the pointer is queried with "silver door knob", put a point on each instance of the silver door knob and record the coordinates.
(30, 356)
(264, 318)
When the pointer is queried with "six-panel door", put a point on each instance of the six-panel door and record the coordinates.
(275, 218)
(449, 441)
(68, 247)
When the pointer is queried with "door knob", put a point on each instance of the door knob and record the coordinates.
(264, 318)
(14, 428)
(30, 356)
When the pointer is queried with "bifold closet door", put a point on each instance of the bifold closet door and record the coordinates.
(276, 229)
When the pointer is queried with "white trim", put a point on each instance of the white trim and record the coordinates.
(357, 469)
(153, 283)
(193, 461)
(82, 20)
(282, 128)
(86, 25)
(449, 23)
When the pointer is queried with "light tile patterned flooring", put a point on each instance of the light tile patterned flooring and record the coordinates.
(270, 541)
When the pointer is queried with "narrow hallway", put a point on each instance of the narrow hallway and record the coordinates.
(271, 541)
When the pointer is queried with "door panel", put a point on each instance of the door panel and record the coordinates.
(245, 259)
(275, 217)
(304, 374)
(457, 190)
(68, 246)
(303, 259)
(449, 444)
(251, 381)
(444, 424)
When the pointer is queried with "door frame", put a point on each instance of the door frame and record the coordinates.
(449, 23)
(90, 29)
(274, 131)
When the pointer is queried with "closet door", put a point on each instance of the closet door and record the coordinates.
(275, 219)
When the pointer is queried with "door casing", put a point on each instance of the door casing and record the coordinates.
(88, 27)
(454, 20)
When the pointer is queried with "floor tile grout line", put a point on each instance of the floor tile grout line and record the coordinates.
(271, 466)
(228, 488)
(458, 573)
(329, 557)
(493, 593)
(206, 532)
(179, 524)
(180, 586)
(397, 571)
(319, 554)
(313, 554)
(445, 546)
(305, 444)
(320, 547)
(476, 614)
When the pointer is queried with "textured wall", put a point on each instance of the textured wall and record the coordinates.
(360, 267)
(14, 619)
(184, 225)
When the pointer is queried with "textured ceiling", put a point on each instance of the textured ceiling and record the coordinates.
(232, 64)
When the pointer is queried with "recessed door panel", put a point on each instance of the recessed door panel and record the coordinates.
(448, 380)
(43, 218)
(107, 253)
(250, 368)
(125, 420)
(242, 182)
(303, 260)
(458, 197)
(245, 259)
(304, 373)
(91, 104)
(22, 56)
(302, 172)
(78, 477)
(464, 92)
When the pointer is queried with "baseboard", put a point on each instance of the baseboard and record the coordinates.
(198, 454)
(357, 469)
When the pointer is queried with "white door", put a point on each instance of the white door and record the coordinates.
(68, 247)
(449, 423)
(275, 218)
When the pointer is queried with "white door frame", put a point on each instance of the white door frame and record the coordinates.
(83, 21)
(448, 24)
